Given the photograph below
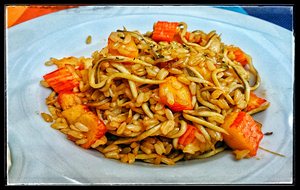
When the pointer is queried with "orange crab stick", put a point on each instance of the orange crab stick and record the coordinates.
(244, 132)
(175, 95)
(78, 114)
(96, 128)
(126, 48)
(188, 136)
(164, 31)
(81, 115)
(239, 55)
(254, 102)
(61, 79)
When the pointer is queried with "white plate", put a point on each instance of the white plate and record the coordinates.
(42, 155)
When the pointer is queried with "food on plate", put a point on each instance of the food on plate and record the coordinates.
(161, 97)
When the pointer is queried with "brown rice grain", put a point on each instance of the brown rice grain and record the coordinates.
(81, 141)
(147, 110)
(75, 134)
(174, 154)
(159, 148)
(168, 148)
(56, 104)
(155, 95)
(136, 116)
(177, 158)
(160, 112)
(113, 155)
(59, 126)
(105, 106)
(114, 124)
(121, 128)
(127, 132)
(52, 110)
(131, 158)
(129, 117)
(74, 128)
(210, 65)
(169, 114)
(51, 102)
(136, 150)
(145, 149)
(192, 88)
(157, 160)
(158, 106)
(134, 128)
(151, 140)
(150, 123)
(123, 158)
(47, 117)
(121, 118)
(136, 67)
(140, 98)
(152, 101)
(64, 130)
(126, 150)
(205, 95)
(81, 127)
(148, 145)
(44, 84)
(194, 101)
(147, 96)
(49, 63)
(242, 104)
(134, 144)
(162, 74)
(101, 141)
(173, 132)
(110, 148)
(167, 126)
(167, 161)
(145, 156)
(175, 71)
(137, 122)
(148, 59)
(219, 137)
(151, 73)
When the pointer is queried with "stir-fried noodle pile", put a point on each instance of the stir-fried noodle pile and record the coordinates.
(160, 97)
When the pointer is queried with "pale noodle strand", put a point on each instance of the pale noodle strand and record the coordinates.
(205, 123)
(206, 103)
(129, 77)
(182, 36)
(182, 130)
(131, 83)
(211, 153)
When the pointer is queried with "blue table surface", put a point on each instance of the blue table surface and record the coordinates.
(279, 15)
